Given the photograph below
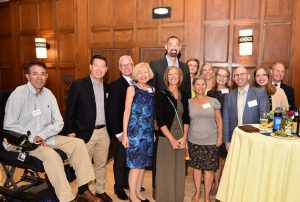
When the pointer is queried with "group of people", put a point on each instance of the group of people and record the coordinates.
(154, 112)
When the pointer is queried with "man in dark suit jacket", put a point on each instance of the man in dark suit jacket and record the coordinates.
(255, 101)
(116, 106)
(86, 118)
(158, 67)
(278, 71)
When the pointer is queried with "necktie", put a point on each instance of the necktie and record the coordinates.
(240, 107)
(275, 84)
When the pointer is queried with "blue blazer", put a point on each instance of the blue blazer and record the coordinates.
(251, 114)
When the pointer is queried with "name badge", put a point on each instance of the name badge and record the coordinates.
(149, 90)
(36, 112)
(205, 106)
(224, 91)
(252, 103)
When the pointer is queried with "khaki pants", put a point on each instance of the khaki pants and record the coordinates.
(97, 148)
(53, 165)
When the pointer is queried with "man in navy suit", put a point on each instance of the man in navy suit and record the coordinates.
(278, 71)
(116, 106)
(86, 118)
(242, 105)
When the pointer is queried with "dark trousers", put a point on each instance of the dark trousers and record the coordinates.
(120, 170)
(154, 161)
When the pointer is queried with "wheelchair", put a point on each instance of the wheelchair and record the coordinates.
(33, 185)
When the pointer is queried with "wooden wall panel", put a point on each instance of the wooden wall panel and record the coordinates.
(101, 37)
(46, 13)
(28, 16)
(144, 13)
(6, 21)
(5, 52)
(252, 59)
(123, 36)
(28, 48)
(178, 10)
(277, 43)
(113, 56)
(217, 9)
(52, 81)
(52, 51)
(124, 10)
(247, 9)
(65, 14)
(147, 35)
(216, 43)
(66, 48)
(279, 8)
(101, 12)
(168, 31)
(6, 79)
(66, 76)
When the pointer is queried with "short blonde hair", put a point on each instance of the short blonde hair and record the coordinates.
(137, 69)
(180, 75)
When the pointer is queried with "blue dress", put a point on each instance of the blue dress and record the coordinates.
(140, 130)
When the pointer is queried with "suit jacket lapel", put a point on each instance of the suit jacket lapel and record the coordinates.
(90, 91)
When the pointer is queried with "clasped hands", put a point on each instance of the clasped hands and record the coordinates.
(178, 144)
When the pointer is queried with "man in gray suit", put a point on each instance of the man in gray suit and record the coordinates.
(242, 105)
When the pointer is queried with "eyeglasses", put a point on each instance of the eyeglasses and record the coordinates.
(126, 65)
(222, 76)
(174, 75)
(240, 75)
(35, 74)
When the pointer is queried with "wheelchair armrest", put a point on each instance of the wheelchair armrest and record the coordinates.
(12, 137)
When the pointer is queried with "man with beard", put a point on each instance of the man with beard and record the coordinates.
(158, 67)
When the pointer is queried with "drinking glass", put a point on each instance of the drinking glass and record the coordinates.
(263, 120)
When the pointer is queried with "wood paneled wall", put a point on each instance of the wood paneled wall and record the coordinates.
(208, 29)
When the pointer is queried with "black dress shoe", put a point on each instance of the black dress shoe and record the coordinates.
(121, 194)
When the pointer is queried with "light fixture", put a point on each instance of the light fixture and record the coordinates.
(245, 42)
(40, 48)
(161, 12)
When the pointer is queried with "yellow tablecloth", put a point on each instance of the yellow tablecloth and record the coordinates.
(261, 168)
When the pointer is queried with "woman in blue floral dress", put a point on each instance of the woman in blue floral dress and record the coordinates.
(138, 128)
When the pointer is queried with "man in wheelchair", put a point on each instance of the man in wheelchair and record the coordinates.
(32, 107)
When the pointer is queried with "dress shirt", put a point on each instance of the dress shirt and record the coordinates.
(38, 113)
(277, 85)
(99, 99)
(170, 63)
(246, 89)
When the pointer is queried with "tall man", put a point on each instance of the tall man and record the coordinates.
(173, 48)
(278, 71)
(116, 106)
(33, 107)
(86, 118)
(242, 105)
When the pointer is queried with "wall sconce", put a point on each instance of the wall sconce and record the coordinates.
(40, 47)
(245, 42)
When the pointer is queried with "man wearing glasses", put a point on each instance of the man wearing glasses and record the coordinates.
(33, 107)
(116, 106)
(86, 118)
(242, 105)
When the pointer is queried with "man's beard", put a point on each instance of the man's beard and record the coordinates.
(173, 53)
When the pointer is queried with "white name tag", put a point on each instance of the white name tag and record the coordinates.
(224, 91)
(252, 103)
(149, 90)
(36, 112)
(205, 106)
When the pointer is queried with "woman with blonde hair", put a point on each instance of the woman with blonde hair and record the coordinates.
(204, 137)
(208, 72)
(277, 97)
(138, 129)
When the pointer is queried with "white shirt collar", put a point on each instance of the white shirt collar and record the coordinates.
(128, 79)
